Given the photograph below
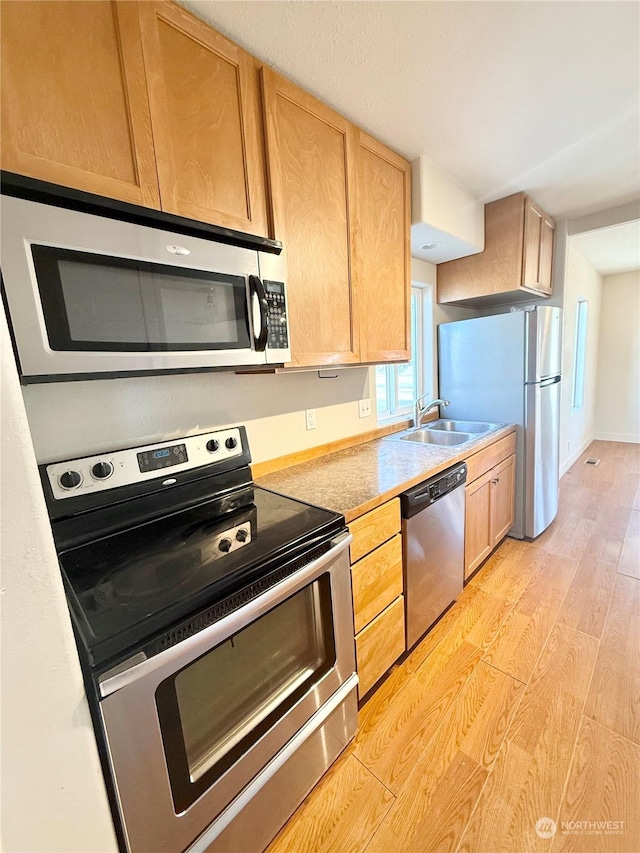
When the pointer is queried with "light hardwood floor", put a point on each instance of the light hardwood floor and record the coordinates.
(522, 704)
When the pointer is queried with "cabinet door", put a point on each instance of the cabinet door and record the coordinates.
(204, 97)
(548, 229)
(74, 98)
(383, 252)
(310, 156)
(502, 499)
(478, 534)
(538, 248)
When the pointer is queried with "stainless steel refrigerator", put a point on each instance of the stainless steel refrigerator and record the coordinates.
(506, 367)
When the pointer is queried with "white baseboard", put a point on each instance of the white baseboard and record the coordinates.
(564, 467)
(629, 438)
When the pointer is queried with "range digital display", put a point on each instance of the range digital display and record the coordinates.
(163, 457)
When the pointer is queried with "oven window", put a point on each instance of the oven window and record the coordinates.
(213, 710)
(100, 303)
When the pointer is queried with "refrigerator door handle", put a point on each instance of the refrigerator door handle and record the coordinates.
(543, 383)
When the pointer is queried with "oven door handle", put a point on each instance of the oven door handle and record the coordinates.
(191, 648)
(257, 291)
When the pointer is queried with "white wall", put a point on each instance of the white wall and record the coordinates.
(53, 796)
(618, 391)
(80, 418)
(425, 274)
(577, 426)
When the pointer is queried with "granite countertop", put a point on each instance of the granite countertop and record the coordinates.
(360, 478)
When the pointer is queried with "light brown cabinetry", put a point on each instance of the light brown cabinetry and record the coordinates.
(207, 126)
(74, 98)
(516, 262)
(489, 501)
(383, 250)
(311, 153)
(341, 205)
(378, 602)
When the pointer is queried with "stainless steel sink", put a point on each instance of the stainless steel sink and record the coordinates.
(423, 436)
(475, 427)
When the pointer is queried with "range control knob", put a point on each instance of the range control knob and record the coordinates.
(213, 445)
(70, 480)
(241, 535)
(225, 545)
(102, 470)
(231, 442)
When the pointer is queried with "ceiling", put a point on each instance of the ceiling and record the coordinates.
(503, 96)
(611, 250)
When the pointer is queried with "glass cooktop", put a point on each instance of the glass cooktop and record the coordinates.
(127, 587)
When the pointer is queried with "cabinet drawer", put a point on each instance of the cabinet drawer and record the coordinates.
(374, 528)
(481, 462)
(380, 645)
(377, 581)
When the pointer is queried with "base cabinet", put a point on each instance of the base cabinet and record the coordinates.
(489, 503)
(378, 600)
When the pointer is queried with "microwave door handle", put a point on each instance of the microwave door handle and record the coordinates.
(256, 289)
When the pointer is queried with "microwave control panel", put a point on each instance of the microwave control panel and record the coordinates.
(278, 337)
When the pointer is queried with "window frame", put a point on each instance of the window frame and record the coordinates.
(580, 354)
(395, 411)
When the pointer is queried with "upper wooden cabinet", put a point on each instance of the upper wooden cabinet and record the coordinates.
(516, 262)
(383, 250)
(342, 207)
(205, 110)
(311, 154)
(74, 98)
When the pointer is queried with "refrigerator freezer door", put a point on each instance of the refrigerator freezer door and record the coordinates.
(544, 343)
(542, 449)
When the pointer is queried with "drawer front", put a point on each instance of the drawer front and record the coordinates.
(374, 528)
(377, 581)
(380, 645)
(481, 462)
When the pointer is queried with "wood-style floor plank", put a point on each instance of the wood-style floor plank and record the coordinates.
(340, 814)
(614, 698)
(601, 808)
(441, 790)
(524, 632)
(587, 601)
(630, 557)
(402, 732)
(528, 778)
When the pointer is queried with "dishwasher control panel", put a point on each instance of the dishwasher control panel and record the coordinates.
(433, 489)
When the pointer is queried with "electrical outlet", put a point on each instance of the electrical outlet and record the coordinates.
(364, 407)
(310, 415)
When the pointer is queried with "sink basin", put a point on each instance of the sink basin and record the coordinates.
(475, 427)
(423, 436)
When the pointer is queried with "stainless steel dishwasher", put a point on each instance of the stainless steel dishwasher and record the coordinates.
(433, 534)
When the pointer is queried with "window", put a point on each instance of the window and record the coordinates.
(580, 354)
(399, 385)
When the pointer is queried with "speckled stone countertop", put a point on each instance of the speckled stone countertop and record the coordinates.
(358, 479)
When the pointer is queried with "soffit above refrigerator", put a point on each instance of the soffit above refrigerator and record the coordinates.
(444, 214)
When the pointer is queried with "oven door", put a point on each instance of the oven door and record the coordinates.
(190, 728)
(111, 297)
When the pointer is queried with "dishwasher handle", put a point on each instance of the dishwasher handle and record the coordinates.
(427, 493)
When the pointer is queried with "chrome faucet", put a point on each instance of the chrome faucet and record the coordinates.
(420, 411)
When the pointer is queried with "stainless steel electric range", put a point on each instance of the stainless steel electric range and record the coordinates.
(215, 628)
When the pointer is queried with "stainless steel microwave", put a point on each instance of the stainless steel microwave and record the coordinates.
(90, 296)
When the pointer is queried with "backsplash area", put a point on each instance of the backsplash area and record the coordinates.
(81, 418)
